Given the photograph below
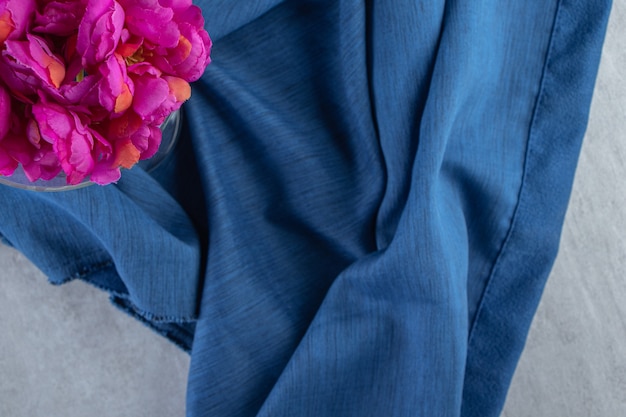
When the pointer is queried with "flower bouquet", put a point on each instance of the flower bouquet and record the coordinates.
(86, 84)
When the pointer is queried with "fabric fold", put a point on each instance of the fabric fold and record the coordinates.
(362, 210)
(116, 238)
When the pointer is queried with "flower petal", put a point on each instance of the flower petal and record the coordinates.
(115, 88)
(190, 56)
(15, 18)
(34, 65)
(152, 21)
(71, 140)
(5, 112)
(60, 18)
(100, 31)
(126, 154)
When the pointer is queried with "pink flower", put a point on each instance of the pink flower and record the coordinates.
(85, 84)
(8, 138)
(37, 157)
(5, 112)
(82, 96)
(175, 40)
(156, 96)
(104, 94)
(99, 31)
(152, 21)
(126, 153)
(191, 55)
(107, 165)
(44, 164)
(129, 44)
(39, 162)
(146, 138)
(71, 140)
(115, 87)
(32, 66)
(15, 18)
(7, 163)
(59, 17)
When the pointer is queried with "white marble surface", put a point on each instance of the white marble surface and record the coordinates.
(66, 352)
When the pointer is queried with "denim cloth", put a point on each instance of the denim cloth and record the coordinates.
(362, 210)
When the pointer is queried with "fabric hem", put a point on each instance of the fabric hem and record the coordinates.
(515, 216)
(178, 330)
(518, 275)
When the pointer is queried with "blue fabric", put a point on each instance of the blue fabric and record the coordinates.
(361, 213)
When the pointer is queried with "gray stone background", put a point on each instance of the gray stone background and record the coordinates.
(65, 352)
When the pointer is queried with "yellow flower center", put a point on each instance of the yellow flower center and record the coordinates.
(81, 75)
(138, 56)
